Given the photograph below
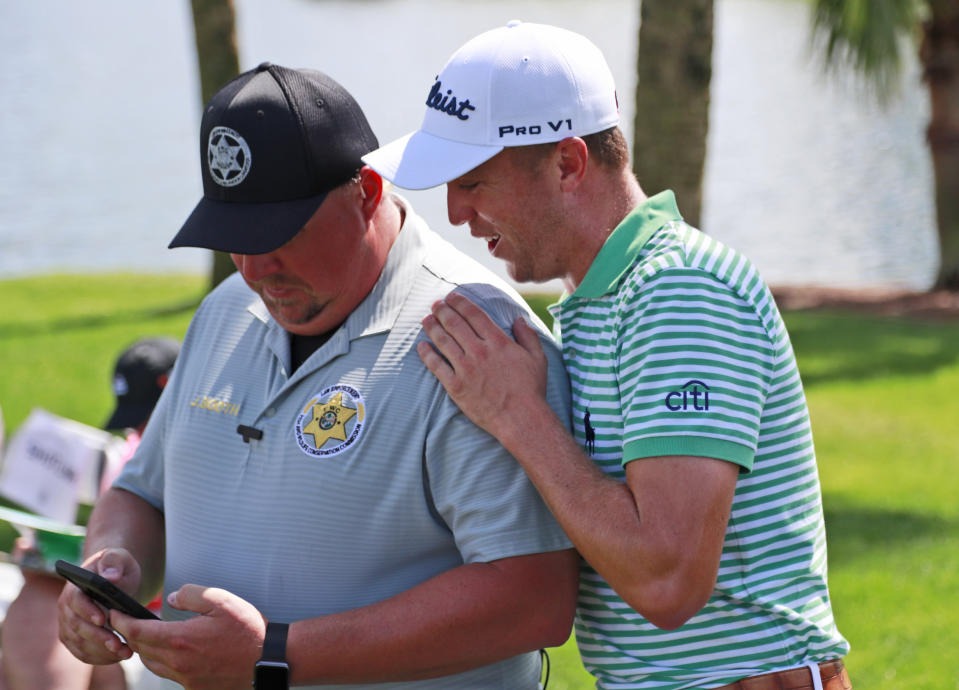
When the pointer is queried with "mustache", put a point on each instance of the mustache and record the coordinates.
(281, 281)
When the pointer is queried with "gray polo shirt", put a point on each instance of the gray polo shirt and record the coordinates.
(367, 479)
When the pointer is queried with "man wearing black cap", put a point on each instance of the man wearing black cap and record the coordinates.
(140, 374)
(32, 655)
(318, 509)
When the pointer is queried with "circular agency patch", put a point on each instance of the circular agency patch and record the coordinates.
(331, 421)
(228, 156)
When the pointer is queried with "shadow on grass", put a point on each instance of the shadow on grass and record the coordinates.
(832, 346)
(86, 321)
(855, 530)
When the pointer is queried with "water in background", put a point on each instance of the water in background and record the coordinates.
(99, 158)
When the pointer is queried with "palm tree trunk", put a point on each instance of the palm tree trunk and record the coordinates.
(674, 67)
(214, 22)
(940, 60)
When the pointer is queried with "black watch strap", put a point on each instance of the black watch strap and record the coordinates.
(274, 644)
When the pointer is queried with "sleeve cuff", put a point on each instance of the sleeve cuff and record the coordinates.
(698, 446)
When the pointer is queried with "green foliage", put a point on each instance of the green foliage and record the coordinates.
(866, 35)
(882, 395)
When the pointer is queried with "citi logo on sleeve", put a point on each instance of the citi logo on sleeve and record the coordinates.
(693, 395)
(447, 103)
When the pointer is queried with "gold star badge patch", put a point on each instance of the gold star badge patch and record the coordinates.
(331, 421)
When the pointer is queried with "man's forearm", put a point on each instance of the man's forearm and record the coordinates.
(467, 617)
(122, 520)
(656, 538)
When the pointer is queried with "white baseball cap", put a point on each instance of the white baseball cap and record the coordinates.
(517, 85)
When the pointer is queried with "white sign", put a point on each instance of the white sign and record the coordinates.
(52, 464)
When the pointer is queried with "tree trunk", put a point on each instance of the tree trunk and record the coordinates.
(940, 61)
(214, 23)
(674, 67)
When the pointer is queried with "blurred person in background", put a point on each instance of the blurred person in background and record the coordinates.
(31, 654)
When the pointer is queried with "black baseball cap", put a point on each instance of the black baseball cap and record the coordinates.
(273, 142)
(139, 376)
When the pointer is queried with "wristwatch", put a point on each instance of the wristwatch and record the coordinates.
(271, 671)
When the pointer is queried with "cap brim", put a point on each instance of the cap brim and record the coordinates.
(128, 416)
(245, 228)
(421, 160)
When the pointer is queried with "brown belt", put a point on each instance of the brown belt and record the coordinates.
(833, 673)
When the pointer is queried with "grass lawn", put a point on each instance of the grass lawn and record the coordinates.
(60, 336)
(884, 399)
(885, 411)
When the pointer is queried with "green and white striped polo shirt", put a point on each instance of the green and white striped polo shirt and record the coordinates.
(674, 346)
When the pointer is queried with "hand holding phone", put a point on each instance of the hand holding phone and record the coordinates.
(102, 591)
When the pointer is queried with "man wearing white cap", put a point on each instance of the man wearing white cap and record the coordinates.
(689, 484)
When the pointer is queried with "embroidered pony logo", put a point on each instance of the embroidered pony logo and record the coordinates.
(590, 434)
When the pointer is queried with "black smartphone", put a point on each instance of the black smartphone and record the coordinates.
(102, 591)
